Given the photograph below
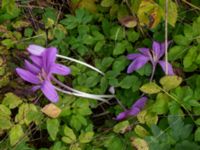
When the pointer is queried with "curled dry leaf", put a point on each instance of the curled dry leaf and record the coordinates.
(128, 21)
(51, 110)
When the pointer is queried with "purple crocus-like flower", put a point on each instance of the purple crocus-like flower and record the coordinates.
(134, 110)
(153, 55)
(41, 70)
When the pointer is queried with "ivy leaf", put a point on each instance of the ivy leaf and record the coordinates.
(15, 134)
(150, 88)
(11, 100)
(53, 128)
(170, 82)
(86, 137)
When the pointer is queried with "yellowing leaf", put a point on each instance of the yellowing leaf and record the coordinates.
(170, 82)
(51, 110)
(121, 127)
(11, 100)
(149, 13)
(150, 88)
(172, 11)
(139, 144)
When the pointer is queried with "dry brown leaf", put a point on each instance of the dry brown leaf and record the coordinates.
(51, 110)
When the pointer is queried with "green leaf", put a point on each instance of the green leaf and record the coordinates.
(190, 57)
(151, 119)
(53, 128)
(128, 81)
(177, 52)
(4, 110)
(11, 100)
(120, 48)
(150, 88)
(121, 127)
(69, 133)
(182, 40)
(170, 82)
(107, 3)
(139, 144)
(15, 134)
(132, 35)
(86, 137)
(141, 131)
(197, 134)
(161, 104)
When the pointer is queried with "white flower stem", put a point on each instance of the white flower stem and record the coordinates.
(79, 92)
(90, 96)
(80, 62)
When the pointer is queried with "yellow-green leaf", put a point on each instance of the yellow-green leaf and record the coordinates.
(11, 100)
(139, 144)
(141, 131)
(150, 88)
(170, 82)
(121, 127)
(15, 134)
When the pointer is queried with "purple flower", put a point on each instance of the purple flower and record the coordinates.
(153, 55)
(41, 70)
(134, 110)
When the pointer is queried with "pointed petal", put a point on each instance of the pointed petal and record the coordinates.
(35, 49)
(162, 48)
(121, 116)
(27, 76)
(133, 56)
(61, 69)
(138, 63)
(163, 66)
(140, 103)
(36, 60)
(32, 68)
(144, 51)
(134, 111)
(35, 88)
(49, 91)
(156, 49)
(49, 58)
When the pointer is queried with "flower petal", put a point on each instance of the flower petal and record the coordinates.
(121, 116)
(27, 76)
(133, 56)
(140, 103)
(35, 49)
(144, 51)
(48, 59)
(61, 69)
(49, 91)
(32, 68)
(138, 63)
(35, 88)
(36, 60)
(163, 66)
(133, 111)
(156, 49)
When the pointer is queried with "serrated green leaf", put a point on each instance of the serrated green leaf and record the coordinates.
(170, 82)
(11, 100)
(150, 88)
(86, 137)
(53, 128)
(15, 134)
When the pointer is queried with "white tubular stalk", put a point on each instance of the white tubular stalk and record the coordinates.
(90, 96)
(79, 92)
(80, 62)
